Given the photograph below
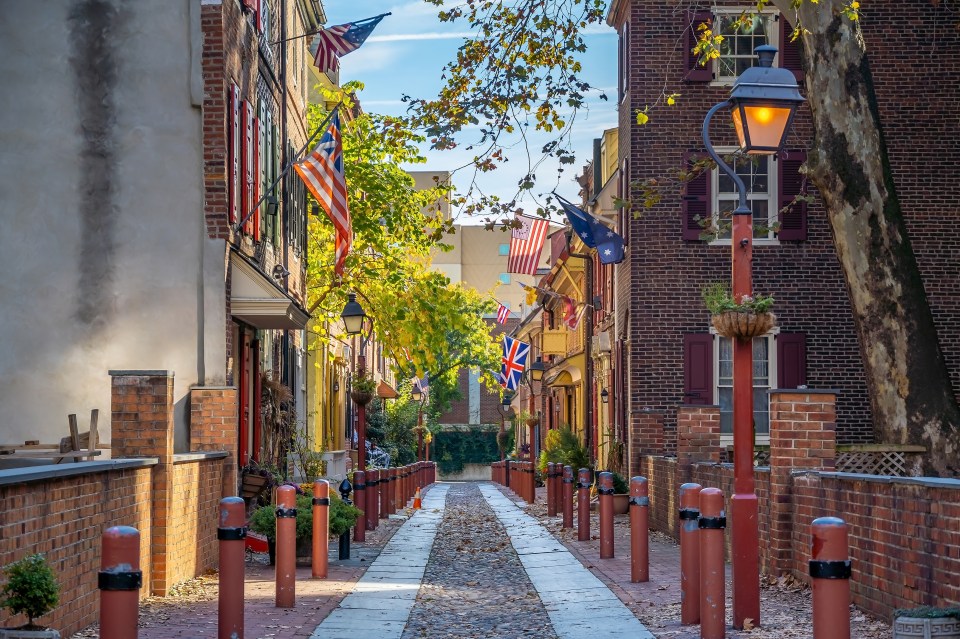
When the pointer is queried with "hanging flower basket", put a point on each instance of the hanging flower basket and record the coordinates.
(362, 398)
(532, 421)
(736, 324)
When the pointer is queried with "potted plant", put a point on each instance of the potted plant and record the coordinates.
(32, 590)
(621, 494)
(745, 318)
(256, 478)
(342, 517)
(926, 621)
(362, 388)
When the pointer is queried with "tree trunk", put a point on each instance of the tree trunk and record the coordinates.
(910, 389)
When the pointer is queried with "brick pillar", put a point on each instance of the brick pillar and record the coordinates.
(698, 437)
(646, 436)
(141, 425)
(802, 437)
(214, 427)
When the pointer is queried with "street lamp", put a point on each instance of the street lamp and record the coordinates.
(417, 394)
(354, 317)
(504, 409)
(537, 369)
(763, 101)
(605, 396)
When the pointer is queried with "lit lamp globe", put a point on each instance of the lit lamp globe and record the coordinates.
(416, 393)
(764, 100)
(353, 315)
(536, 370)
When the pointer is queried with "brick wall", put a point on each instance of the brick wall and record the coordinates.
(646, 436)
(214, 427)
(192, 546)
(698, 436)
(658, 292)
(63, 518)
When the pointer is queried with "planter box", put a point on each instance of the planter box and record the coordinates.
(12, 633)
(621, 503)
(253, 485)
(926, 628)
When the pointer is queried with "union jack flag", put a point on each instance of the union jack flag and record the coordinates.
(334, 42)
(513, 362)
(503, 313)
(322, 172)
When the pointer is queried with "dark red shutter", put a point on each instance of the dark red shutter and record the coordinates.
(255, 196)
(698, 369)
(234, 154)
(247, 179)
(793, 220)
(791, 57)
(625, 214)
(791, 360)
(694, 71)
(696, 201)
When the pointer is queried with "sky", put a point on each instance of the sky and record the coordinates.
(406, 54)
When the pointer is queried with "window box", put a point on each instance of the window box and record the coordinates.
(743, 325)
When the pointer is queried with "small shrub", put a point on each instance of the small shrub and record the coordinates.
(620, 485)
(927, 612)
(31, 588)
(342, 517)
(563, 446)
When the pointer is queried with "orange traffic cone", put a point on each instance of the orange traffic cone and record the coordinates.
(416, 500)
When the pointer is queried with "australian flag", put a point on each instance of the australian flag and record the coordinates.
(594, 233)
(514, 361)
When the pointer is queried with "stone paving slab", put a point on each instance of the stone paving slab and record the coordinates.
(391, 582)
(577, 586)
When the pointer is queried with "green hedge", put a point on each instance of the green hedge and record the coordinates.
(452, 449)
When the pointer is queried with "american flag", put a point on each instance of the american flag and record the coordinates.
(502, 314)
(526, 243)
(322, 172)
(333, 42)
(513, 362)
(572, 313)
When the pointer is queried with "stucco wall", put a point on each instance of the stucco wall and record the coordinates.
(100, 183)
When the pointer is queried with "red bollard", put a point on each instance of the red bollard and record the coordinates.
(360, 501)
(605, 490)
(557, 488)
(321, 528)
(639, 530)
(531, 482)
(506, 473)
(372, 512)
(830, 574)
(583, 504)
(551, 500)
(712, 523)
(689, 553)
(567, 488)
(119, 581)
(286, 573)
(383, 490)
(231, 532)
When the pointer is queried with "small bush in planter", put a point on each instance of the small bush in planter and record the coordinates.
(620, 485)
(31, 589)
(342, 518)
(926, 621)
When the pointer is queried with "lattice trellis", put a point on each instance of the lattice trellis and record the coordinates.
(896, 463)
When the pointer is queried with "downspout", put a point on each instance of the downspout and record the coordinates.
(587, 347)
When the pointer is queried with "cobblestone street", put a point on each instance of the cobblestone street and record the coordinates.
(475, 585)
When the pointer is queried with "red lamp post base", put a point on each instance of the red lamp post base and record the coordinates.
(744, 510)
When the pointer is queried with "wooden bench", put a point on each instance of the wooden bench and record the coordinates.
(74, 446)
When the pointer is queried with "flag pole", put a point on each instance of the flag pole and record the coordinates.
(321, 30)
(269, 190)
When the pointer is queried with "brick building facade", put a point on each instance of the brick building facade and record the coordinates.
(671, 357)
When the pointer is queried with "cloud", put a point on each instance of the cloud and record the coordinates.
(403, 37)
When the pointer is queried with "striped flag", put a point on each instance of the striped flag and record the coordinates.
(503, 313)
(322, 172)
(572, 313)
(334, 42)
(526, 243)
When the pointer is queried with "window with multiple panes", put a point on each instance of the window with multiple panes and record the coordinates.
(504, 278)
(503, 249)
(296, 216)
(779, 361)
(759, 175)
(764, 363)
(624, 60)
(773, 184)
(736, 50)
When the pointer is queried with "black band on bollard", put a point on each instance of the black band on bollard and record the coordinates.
(830, 569)
(373, 482)
(286, 513)
(568, 481)
(232, 534)
(639, 501)
(321, 501)
(689, 513)
(359, 487)
(579, 485)
(127, 580)
(604, 491)
(715, 523)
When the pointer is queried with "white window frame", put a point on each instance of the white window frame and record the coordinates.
(772, 19)
(760, 439)
(772, 198)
